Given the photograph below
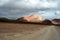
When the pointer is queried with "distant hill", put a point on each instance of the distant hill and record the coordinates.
(34, 19)
(56, 21)
(20, 20)
(7, 20)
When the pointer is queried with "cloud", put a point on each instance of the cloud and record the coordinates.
(46, 14)
(2, 2)
(35, 4)
(12, 8)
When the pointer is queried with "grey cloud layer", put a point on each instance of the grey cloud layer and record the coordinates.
(16, 8)
(31, 3)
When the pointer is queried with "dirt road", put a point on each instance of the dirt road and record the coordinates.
(50, 32)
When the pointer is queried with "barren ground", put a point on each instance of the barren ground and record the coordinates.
(15, 31)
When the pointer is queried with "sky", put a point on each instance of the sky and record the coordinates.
(14, 9)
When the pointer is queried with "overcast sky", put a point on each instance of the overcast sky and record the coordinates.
(16, 8)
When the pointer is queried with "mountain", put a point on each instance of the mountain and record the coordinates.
(35, 19)
(56, 21)
(32, 18)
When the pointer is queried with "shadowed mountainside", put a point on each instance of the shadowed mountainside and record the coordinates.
(21, 21)
(56, 21)
(8, 20)
(45, 22)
